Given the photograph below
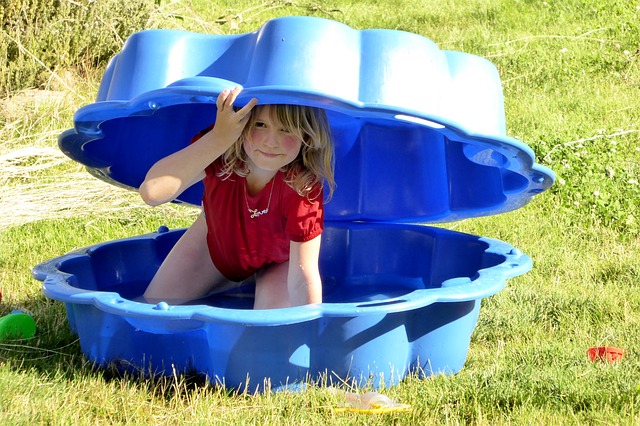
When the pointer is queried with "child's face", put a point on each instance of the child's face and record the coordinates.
(270, 147)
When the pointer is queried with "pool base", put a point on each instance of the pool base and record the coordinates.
(397, 313)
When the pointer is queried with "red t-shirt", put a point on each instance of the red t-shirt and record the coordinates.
(240, 245)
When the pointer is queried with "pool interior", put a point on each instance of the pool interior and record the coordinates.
(362, 263)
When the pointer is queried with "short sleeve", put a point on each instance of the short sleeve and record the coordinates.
(305, 219)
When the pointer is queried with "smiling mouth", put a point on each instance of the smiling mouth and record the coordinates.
(268, 154)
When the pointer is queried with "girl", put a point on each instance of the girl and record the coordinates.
(263, 213)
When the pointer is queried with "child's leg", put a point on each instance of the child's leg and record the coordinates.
(271, 287)
(187, 273)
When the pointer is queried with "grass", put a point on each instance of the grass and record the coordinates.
(571, 75)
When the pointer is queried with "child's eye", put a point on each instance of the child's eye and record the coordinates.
(260, 124)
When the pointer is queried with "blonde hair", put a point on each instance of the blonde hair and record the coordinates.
(315, 161)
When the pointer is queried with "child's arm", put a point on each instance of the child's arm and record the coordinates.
(170, 176)
(303, 282)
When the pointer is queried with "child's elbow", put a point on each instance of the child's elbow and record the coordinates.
(150, 196)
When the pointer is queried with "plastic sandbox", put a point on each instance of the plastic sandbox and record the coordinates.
(420, 138)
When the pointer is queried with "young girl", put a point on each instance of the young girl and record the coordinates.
(263, 213)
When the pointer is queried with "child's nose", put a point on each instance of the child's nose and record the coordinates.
(272, 139)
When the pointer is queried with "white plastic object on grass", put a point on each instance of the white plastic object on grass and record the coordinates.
(369, 403)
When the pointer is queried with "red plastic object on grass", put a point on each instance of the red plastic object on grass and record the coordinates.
(605, 353)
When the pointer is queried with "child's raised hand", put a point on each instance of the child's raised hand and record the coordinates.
(229, 122)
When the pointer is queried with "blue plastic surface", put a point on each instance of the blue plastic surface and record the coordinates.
(398, 299)
(420, 137)
(419, 132)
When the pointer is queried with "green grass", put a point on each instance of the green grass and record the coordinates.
(571, 76)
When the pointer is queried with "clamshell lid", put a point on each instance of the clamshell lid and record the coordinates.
(419, 132)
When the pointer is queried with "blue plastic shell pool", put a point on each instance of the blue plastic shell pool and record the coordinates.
(420, 138)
